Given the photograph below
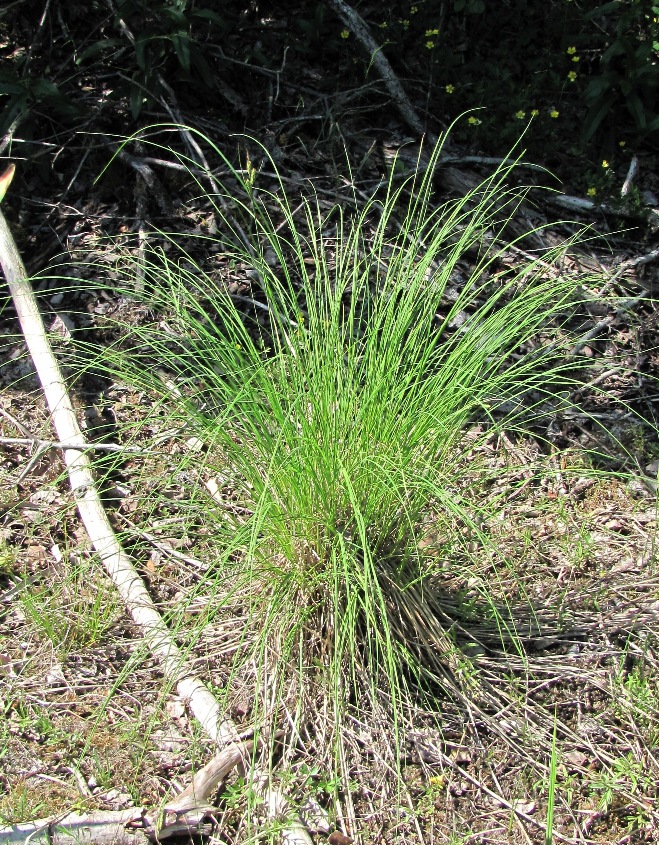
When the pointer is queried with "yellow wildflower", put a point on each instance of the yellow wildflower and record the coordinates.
(345, 33)
(474, 121)
(571, 51)
(520, 115)
(450, 89)
(430, 32)
(405, 23)
(622, 143)
(430, 44)
(554, 113)
(572, 76)
(592, 192)
(576, 59)
(534, 112)
(605, 164)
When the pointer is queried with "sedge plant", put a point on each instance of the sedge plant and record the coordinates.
(332, 402)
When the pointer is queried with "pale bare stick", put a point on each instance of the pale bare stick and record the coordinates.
(117, 563)
(206, 781)
(104, 827)
(56, 444)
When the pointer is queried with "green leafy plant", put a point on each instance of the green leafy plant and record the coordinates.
(155, 35)
(19, 96)
(431, 795)
(623, 777)
(20, 805)
(7, 558)
(543, 67)
(638, 694)
(71, 613)
(628, 73)
(316, 781)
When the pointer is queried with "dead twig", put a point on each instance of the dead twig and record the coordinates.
(433, 753)
(165, 548)
(102, 828)
(604, 323)
(197, 156)
(106, 827)
(356, 25)
(116, 562)
(207, 779)
(43, 445)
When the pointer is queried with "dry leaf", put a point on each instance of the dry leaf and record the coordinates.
(214, 489)
(5, 180)
(6, 667)
(175, 708)
(527, 807)
(575, 758)
(338, 838)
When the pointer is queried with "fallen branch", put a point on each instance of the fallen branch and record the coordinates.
(150, 179)
(623, 308)
(104, 828)
(44, 445)
(116, 562)
(356, 25)
(206, 781)
(639, 261)
(580, 204)
(131, 826)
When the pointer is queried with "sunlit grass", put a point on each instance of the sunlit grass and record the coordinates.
(332, 404)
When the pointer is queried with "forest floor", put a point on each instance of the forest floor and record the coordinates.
(86, 720)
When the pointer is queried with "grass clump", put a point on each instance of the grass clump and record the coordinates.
(76, 612)
(332, 404)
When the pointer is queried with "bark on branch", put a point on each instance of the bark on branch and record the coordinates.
(356, 25)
